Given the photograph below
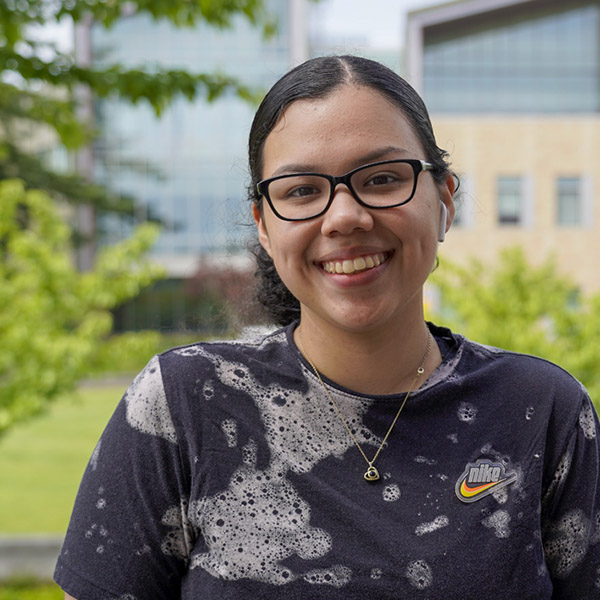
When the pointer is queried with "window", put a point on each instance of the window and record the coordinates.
(509, 192)
(569, 201)
(464, 202)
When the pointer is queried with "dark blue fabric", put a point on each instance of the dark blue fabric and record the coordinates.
(226, 473)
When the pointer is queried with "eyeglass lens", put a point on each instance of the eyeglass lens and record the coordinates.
(303, 196)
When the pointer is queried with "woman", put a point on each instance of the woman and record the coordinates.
(358, 452)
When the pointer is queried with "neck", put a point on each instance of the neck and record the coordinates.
(374, 362)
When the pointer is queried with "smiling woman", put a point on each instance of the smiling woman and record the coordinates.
(358, 451)
(345, 132)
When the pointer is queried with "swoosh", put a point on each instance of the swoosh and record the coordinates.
(469, 492)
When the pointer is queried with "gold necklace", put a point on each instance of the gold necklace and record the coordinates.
(371, 474)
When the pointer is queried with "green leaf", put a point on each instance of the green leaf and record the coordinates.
(38, 84)
(524, 308)
(55, 320)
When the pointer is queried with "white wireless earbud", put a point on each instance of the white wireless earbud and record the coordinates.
(443, 219)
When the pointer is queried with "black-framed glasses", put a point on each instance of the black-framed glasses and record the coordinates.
(302, 196)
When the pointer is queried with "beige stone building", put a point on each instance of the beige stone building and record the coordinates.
(513, 88)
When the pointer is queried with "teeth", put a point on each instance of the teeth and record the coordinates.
(353, 266)
(360, 264)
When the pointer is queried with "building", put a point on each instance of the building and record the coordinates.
(513, 88)
(188, 168)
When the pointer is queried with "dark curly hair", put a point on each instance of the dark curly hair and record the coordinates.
(313, 79)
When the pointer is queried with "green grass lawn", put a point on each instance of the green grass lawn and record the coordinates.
(30, 590)
(42, 461)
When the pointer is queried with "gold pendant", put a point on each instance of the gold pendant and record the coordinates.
(372, 474)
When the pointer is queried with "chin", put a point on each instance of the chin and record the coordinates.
(356, 319)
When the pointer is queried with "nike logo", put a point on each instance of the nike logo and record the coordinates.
(481, 479)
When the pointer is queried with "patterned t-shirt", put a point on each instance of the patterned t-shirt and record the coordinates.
(225, 473)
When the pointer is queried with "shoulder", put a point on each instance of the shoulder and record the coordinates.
(525, 369)
(245, 351)
(172, 381)
(508, 376)
(239, 364)
(522, 396)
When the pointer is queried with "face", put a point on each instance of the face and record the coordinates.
(385, 255)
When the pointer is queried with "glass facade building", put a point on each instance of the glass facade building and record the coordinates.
(187, 168)
(513, 89)
(547, 61)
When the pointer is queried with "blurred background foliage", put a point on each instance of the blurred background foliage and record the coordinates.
(42, 86)
(54, 319)
(524, 308)
(55, 322)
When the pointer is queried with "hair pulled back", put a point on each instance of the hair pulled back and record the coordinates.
(314, 79)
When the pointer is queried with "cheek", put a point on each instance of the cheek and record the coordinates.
(279, 238)
(273, 234)
(416, 223)
(289, 246)
(427, 215)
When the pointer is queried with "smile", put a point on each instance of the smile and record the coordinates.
(362, 263)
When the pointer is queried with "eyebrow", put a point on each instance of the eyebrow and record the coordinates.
(365, 159)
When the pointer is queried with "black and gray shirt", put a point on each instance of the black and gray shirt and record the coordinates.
(225, 473)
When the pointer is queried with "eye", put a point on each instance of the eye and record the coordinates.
(299, 188)
(303, 191)
(382, 179)
(387, 180)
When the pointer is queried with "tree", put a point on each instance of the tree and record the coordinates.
(54, 320)
(38, 83)
(524, 308)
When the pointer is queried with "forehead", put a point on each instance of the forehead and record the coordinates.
(335, 132)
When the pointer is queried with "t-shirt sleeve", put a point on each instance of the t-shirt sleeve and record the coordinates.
(129, 537)
(571, 512)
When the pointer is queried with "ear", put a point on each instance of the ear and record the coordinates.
(261, 228)
(447, 208)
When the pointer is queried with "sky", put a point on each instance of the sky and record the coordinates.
(378, 24)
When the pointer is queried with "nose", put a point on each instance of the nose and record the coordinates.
(345, 215)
